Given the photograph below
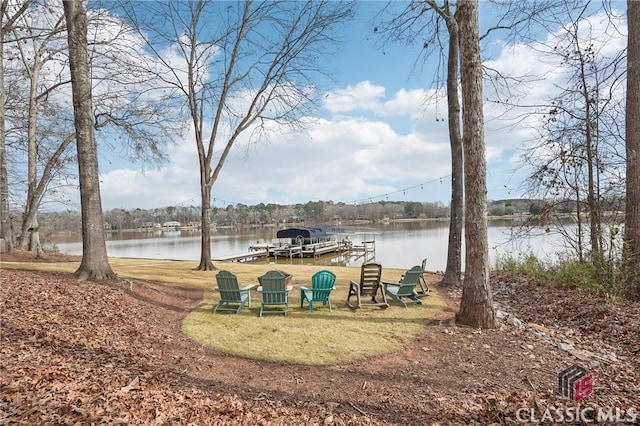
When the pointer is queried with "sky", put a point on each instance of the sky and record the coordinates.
(375, 138)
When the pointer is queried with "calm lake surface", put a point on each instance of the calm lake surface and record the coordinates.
(397, 245)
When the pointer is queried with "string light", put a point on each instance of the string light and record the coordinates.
(354, 202)
(403, 190)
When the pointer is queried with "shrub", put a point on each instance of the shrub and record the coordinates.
(565, 272)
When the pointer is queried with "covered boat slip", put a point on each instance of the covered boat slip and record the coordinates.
(317, 241)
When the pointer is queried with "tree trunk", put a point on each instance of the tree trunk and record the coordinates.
(476, 306)
(31, 210)
(632, 213)
(95, 263)
(453, 271)
(31, 220)
(592, 170)
(30, 237)
(6, 233)
(205, 240)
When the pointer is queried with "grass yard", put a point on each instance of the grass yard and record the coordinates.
(318, 338)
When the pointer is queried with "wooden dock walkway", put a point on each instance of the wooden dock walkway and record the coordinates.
(365, 247)
(243, 257)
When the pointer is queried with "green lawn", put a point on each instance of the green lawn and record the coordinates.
(318, 338)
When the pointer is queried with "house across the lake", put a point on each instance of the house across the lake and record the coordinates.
(171, 225)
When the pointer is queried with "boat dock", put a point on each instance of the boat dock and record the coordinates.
(366, 250)
(309, 243)
(287, 251)
(365, 247)
(309, 250)
(243, 257)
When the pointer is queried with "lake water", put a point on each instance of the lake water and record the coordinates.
(397, 245)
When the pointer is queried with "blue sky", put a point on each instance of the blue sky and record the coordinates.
(374, 139)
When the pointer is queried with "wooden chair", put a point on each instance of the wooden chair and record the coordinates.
(275, 293)
(232, 297)
(368, 287)
(422, 289)
(322, 284)
(405, 288)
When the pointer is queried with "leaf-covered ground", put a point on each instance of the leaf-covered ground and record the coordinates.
(113, 353)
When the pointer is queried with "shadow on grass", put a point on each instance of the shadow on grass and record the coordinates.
(254, 313)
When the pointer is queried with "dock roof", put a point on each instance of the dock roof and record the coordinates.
(304, 232)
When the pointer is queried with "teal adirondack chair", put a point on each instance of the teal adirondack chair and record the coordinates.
(322, 284)
(232, 297)
(405, 288)
(275, 293)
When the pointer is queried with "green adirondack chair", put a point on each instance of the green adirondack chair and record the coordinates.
(275, 293)
(232, 297)
(405, 288)
(322, 284)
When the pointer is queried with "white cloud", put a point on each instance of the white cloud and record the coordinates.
(362, 95)
(411, 103)
(342, 160)
(371, 145)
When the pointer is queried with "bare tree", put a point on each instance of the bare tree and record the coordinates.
(453, 271)
(577, 155)
(632, 214)
(38, 46)
(476, 306)
(125, 103)
(95, 263)
(7, 19)
(247, 69)
(422, 21)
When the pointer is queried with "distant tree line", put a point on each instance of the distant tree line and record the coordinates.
(310, 213)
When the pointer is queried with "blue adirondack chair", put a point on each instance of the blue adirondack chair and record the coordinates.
(232, 297)
(405, 288)
(322, 284)
(275, 293)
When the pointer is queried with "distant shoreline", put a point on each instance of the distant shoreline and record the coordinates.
(298, 224)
